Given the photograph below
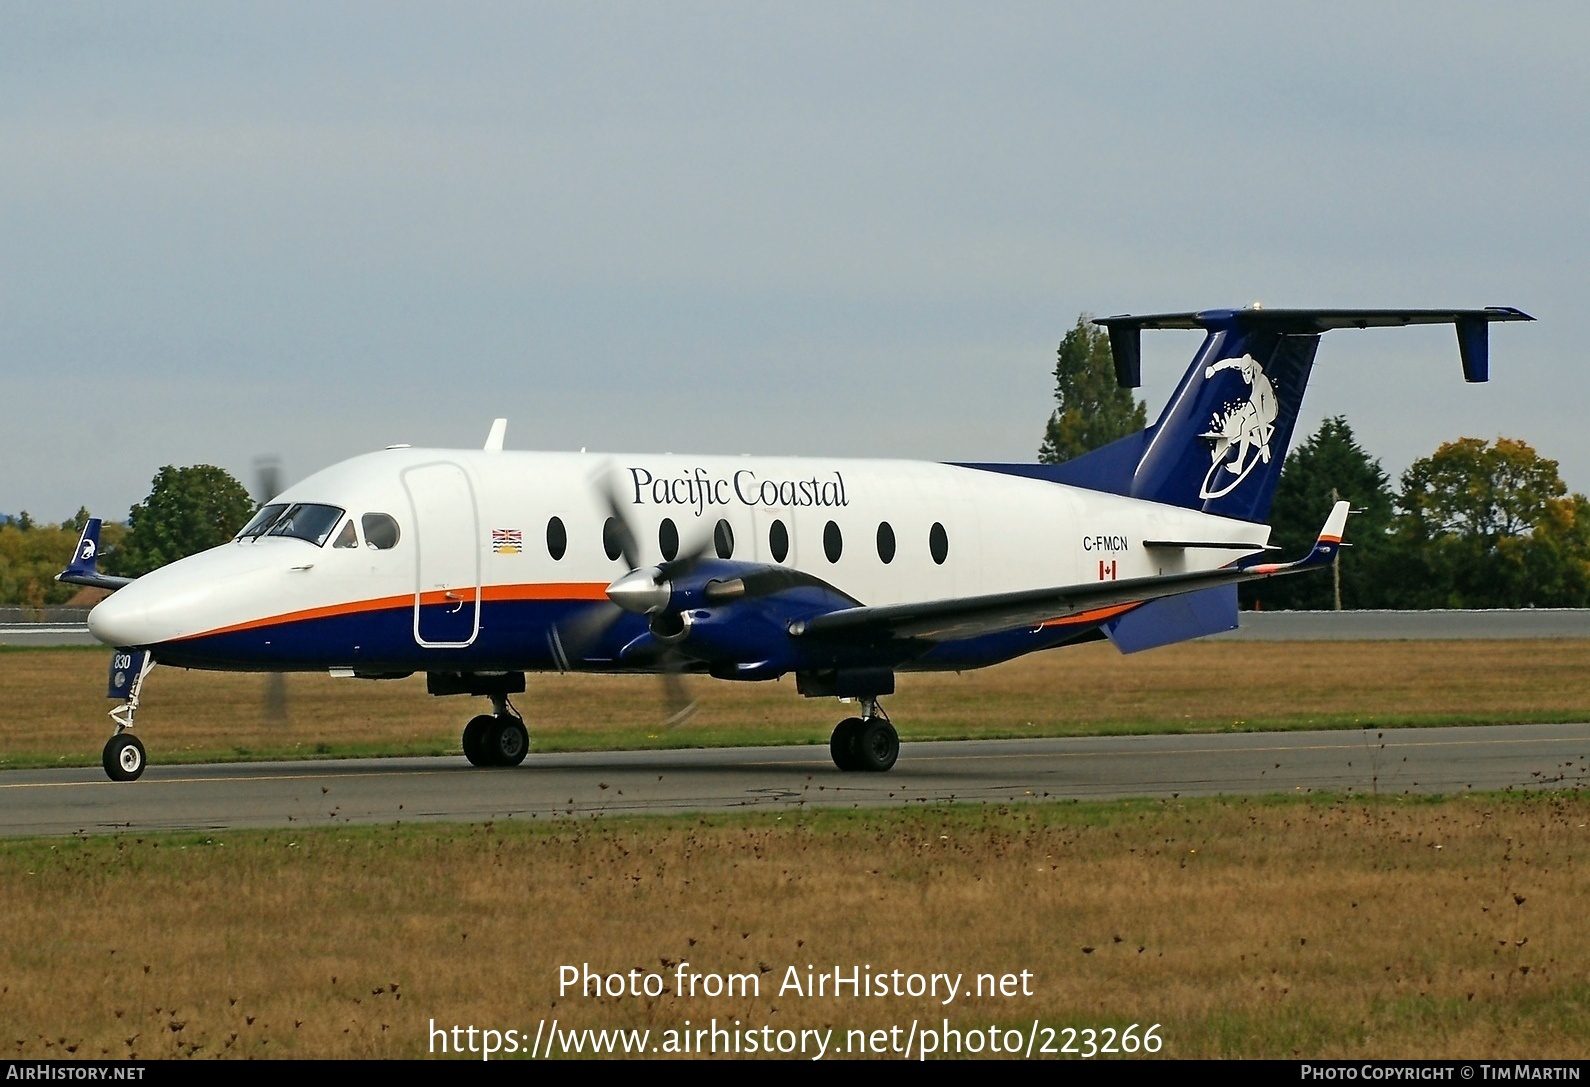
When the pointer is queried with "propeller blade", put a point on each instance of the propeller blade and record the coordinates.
(276, 698)
(628, 543)
(267, 485)
(267, 478)
(681, 707)
(684, 563)
(588, 627)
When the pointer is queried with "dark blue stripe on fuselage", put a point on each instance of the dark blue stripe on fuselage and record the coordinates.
(517, 635)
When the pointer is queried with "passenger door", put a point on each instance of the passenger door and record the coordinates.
(447, 555)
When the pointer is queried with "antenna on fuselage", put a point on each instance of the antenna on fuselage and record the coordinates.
(499, 429)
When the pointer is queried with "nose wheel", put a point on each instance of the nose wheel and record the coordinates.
(124, 757)
(498, 739)
(867, 743)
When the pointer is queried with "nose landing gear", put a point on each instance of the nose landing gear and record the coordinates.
(867, 743)
(123, 757)
(497, 740)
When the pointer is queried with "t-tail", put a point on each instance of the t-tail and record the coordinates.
(84, 568)
(1219, 444)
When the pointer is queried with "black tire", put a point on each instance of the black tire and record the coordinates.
(509, 741)
(476, 735)
(124, 758)
(877, 745)
(842, 744)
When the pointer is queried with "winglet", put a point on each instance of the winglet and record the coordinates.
(1324, 550)
(84, 567)
(499, 429)
(1335, 525)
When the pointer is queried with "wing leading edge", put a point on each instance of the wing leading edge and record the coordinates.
(947, 620)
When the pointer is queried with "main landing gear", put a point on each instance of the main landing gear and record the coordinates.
(868, 743)
(497, 740)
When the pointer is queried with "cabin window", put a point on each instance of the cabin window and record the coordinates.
(938, 543)
(557, 538)
(262, 521)
(380, 531)
(347, 537)
(307, 521)
(723, 540)
(778, 541)
(833, 542)
(885, 542)
(668, 539)
(613, 539)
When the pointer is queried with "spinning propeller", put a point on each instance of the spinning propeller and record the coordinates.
(267, 485)
(646, 591)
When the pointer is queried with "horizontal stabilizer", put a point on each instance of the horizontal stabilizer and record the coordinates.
(1208, 545)
(1125, 343)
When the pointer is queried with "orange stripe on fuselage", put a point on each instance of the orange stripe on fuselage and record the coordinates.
(573, 590)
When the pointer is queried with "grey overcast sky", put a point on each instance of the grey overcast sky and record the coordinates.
(311, 230)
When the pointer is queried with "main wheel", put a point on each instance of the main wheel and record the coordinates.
(877, 745)
(476, 735)
(508, 741)
(124, 757)
(842, 744)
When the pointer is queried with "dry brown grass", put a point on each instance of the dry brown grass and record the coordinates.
(52, 712)
(1245, 928)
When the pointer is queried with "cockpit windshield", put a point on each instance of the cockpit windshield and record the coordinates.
(307, 521)
(261, 521)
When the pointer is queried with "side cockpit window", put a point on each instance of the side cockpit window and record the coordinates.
(307, 521)
(380, 531)
(347, 537)
(261, 521)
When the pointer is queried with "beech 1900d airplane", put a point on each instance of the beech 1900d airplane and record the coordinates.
(477, 566)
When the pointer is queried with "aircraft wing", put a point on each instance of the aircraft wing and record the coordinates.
(967, 617)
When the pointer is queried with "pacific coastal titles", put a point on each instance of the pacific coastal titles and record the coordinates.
(698, 489)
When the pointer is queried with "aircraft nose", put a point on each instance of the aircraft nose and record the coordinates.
(120, 620)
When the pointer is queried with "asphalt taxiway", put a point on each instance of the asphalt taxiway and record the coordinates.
(582, 785)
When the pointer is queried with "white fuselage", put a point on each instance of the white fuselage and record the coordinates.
(474, 527)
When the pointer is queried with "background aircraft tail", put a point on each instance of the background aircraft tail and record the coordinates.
(84, 567)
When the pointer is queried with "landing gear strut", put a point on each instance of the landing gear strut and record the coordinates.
(868, 743)
(497, 740)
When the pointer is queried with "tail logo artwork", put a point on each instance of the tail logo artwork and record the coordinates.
(1241, 432)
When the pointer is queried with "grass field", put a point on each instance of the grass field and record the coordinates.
(1423, 928)
(52, 711)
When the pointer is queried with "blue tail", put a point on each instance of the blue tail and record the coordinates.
(1219, 444)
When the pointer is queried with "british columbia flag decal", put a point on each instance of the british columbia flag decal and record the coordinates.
(507, 541)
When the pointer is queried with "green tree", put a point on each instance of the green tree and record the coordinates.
(1090, 408)
(188, 510)
(1492, 525)
(1330, 465)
